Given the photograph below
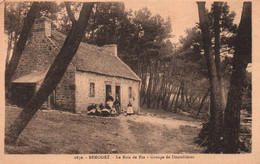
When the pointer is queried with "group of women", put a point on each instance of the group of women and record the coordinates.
(111, 108)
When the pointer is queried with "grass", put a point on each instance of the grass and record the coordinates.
(63, 133)
(59, 132)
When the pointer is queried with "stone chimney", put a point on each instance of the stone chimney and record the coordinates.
(42, 25)
(111, 48)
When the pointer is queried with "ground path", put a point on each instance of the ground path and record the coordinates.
(171, 123)
(127, 133)
(151, 133)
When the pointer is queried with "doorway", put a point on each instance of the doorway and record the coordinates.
(108, 90)
(118, 93)
(22, 93)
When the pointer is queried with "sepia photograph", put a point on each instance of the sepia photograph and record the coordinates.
(157, 80)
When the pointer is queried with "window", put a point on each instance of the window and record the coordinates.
(130, 94)
(92, 90)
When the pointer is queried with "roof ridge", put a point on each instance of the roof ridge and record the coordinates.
(128, 68)
(92, 58)
(57, 46)
(52, 42)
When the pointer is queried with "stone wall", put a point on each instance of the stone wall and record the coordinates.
(38, 55)
(65, 91)
(83, 99)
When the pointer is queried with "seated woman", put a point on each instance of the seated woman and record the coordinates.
(130, 110)
(109, 105)
(105, 112)
(92, 109)
(109, 101)
(113, 112)
(109, 97)
(99, 108)
(111, 108)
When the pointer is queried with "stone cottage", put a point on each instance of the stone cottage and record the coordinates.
(93, 72)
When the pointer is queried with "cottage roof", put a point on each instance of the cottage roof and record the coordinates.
(34, 77)
(90, 58)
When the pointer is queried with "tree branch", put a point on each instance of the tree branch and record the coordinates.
(70, 13)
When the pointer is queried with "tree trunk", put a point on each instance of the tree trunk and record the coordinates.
(217, 12)
(145, 86)
(177, 98)
(20, 45)
(164, 99)
(194, 99)
(187, 102)
(149, 88)
(162, 91)
(144, 79)
(182, 97)
(156, 83)
(54, 75)
(216, 113)
(9, 48)
(242, 56)
(202, 101)
(169, 98)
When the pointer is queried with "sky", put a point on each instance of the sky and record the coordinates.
(183, 13)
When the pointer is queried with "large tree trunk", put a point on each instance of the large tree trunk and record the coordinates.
(156, 83)
(54, 75)
(216, 113)
(242, 56)
(217, 12)
(150, 84)
(9, 48)
(144, 79)
(20, 45)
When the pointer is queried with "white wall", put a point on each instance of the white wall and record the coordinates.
(82, 83)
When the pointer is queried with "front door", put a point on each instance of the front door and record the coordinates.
(118, 93)
(108, 90)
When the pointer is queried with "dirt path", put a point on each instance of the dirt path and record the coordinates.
(128, 135)
(148, 134)
(168, 122)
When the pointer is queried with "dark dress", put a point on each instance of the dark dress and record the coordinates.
(109, 98)
(117, 106)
